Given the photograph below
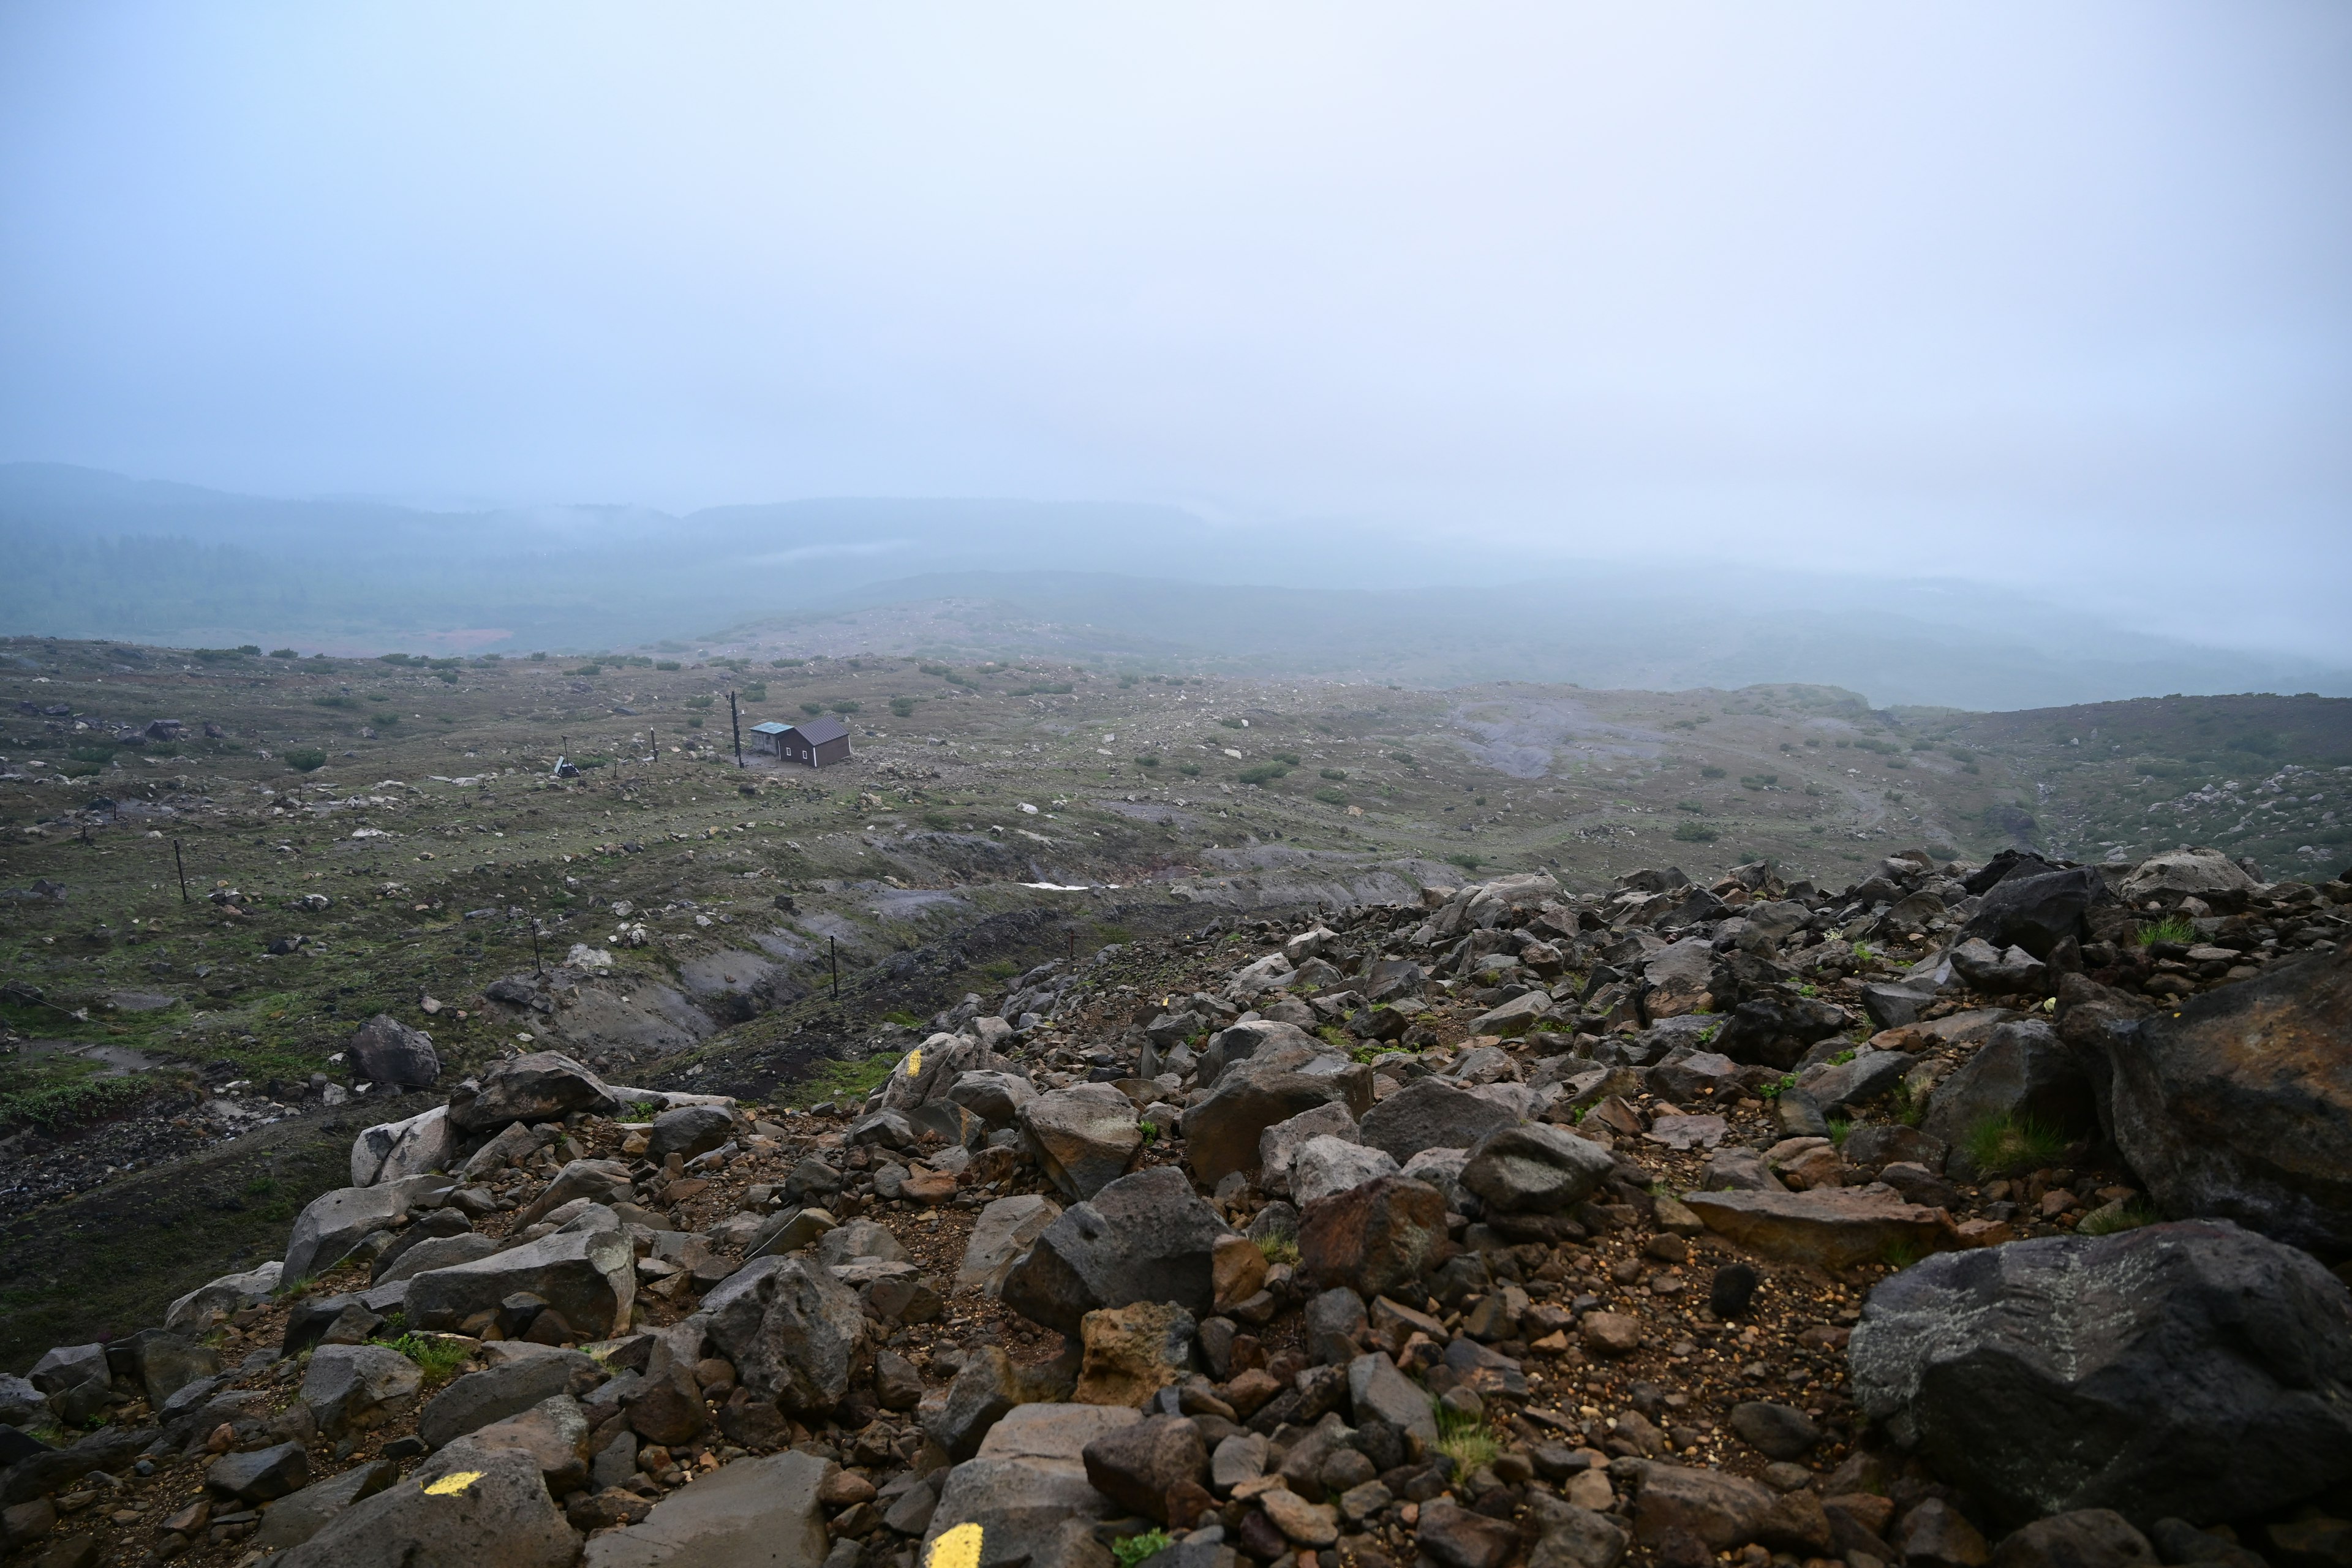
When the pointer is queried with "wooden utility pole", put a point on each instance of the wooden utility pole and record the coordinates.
(735, 721)
(181, 867)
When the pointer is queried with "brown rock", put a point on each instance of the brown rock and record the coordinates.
(1795, 1523)
(1934, 1534)
(843, 1488)
(1239, 1267)
(1307, 1524)
(1610, 1333)
(1456, 1538)
(1829, 1227)
(1373, 1237)
(1138, 1467)
(1133, 1353)
(1721, 1511)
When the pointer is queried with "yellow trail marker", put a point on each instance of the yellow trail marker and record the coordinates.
(914, 1063)
(453, 1483)
(958, 1548)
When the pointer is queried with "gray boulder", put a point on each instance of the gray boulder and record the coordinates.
(465, 1507)
(2202, 873)
(1004, 1231)
(995, 1096)
(2024, 1073)
(387, 1051)
(350, 1386)
(298, 1518)
(2238, 1102)
(229, 1294)
(1999, 972)
(1534, 1169)
(792, 1330)
(2192, 1368)
(1144, 1238)
(1856, 1082)
(2037, 913)
(392, 1150)
(586, 1271)
(509, 1388)
(602, 1181)
(540, 1086)
(1279, 1144)
(260, 1475)
(333, 1223)
(435, 1252)
(1026, 1489)
(1280, 1079)
(759, 1513)
(689, 1130)
(1326, 1166)
(1082, 1136)
(1429, 1113)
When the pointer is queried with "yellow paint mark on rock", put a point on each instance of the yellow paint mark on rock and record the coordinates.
(453, 1483)
(958, 1548)
(915, 1063)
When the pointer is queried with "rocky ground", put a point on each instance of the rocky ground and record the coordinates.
(1972, 1213)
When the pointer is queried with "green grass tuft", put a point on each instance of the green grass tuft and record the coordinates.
(436, 1356)
(2108, 1220)
(2171, 927)
(1469, 1443)
(1131, 1550)
(2002, 1144)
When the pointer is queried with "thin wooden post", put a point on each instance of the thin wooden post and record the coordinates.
(181, 867)
(735, 722)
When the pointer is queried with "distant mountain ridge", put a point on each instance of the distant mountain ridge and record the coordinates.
(98, 554)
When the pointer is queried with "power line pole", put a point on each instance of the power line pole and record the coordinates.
(735, 721)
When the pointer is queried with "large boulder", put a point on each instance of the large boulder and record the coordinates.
(1430, 1113)
(1278, 1081)
(2037, 913)
(294, 1519)
(996, 1098)
(1372, 1238)
(1859, 1079)
(1680, 979)
(791, 1329)
(1024, 1498)
(1144, 1238)
(603, 1181)
(1326, 1166)
(1083, 1136)
(687, 1131)
(925, 1073)
(1136, 1466)
(2238, 1104)
(2192, 1368)
(334, 1222)
(1004, 1231)
(349, 1386)
(586, 1271)
(759, 1513)
(1828, 1227)
(1774, 1031)
(228, 1294)
(465, 1507)
(539, 1086)
(2024, 1074)
(1534, 1169)
(387, 1051)
(2175, 874)
(393, 1149)
(505, 1388)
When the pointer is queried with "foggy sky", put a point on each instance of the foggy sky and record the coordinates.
(2053, 296)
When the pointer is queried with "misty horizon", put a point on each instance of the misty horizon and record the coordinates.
(2055, 305)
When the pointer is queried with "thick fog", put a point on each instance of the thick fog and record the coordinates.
(2057, 299)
